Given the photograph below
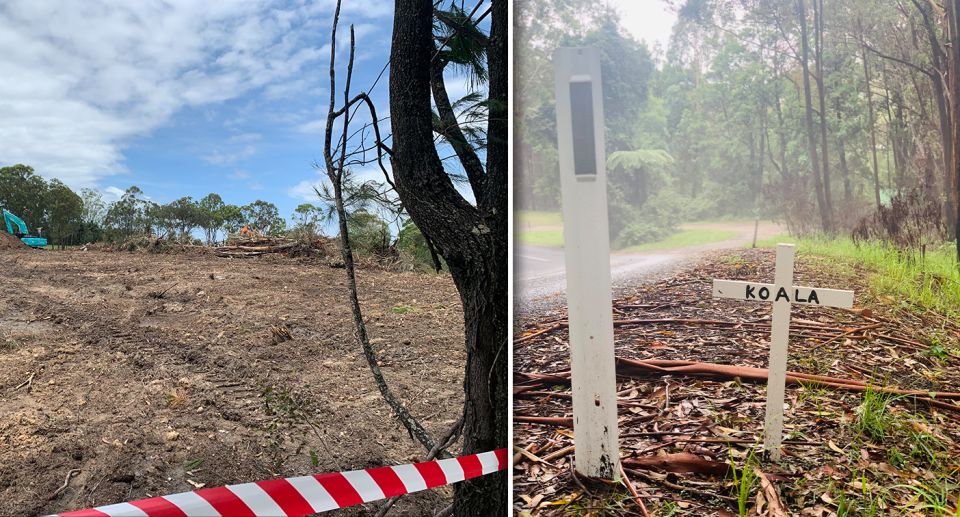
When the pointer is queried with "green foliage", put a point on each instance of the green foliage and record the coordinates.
(639, 160)
(412, 241)
(307, 219)
(368, 233)
(23, 193)
(94, 209)
(264, 218)
(290, 418)
(744, 483)
(64, 211)
(656, 220)
(873, 419)
(931, 281)
(932, 498)
(233, 218)
(212, 215)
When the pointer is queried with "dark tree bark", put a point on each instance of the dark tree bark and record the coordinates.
(472, 239)
(953, 192)
(941, 78)
(808, 109)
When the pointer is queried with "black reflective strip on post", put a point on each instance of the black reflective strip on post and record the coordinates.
(581, 116)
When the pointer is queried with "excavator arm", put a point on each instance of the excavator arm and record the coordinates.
(21, 230)
(11, 220)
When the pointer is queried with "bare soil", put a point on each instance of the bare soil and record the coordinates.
(128, 366)
(9, 241)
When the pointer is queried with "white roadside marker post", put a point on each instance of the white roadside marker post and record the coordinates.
(583, 181)
(782, 294)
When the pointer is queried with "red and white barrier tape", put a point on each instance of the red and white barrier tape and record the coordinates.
(298, 496)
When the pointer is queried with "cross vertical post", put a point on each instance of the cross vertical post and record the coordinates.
(779, 337)
(783, 295)
(583, 181)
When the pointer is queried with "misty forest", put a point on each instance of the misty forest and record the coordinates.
(834, 118)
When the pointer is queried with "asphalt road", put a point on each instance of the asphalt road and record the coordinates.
(539, 273)
(540, 281)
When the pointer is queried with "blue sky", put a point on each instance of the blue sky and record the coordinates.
(183, 97)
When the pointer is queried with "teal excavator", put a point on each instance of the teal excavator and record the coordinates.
(30, 240)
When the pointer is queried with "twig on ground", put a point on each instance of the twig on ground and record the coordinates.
(26, 382)
(633, 491)
(852, 331)
(573, 474)
(66, 482)
(559, 454)
(446, 512)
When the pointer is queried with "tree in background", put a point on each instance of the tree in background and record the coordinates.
(368, 232)
(306, 218)
(123, 216)
(412, 241)
(94, 209)
(23, 194)
(233, 218)
(264, 218)
(785, 105)
(185, 215)
(211, 207)
(632, 177)
(64, 213)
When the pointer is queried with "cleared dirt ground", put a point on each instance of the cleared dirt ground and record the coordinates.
(129, 387)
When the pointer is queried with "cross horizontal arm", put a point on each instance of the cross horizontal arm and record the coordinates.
(770, 293)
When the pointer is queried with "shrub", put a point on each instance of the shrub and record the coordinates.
(909, 223)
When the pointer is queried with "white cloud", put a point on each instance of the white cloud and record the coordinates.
(112, 193)
(246, 137)
(239, 174)
(315, 126)
(304, 190)
(82, 79)
(255, 186)
(226, 159)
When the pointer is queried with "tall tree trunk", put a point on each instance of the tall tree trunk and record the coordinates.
(952, 179)
(822, 94)
(844, 172)
(808, 109)
(873, 129)
(472, 239)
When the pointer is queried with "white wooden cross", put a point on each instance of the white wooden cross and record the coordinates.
(782, 294)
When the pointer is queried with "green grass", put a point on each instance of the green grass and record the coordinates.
(933, 282)
(686, 238)
(525, 218)
(544, 237)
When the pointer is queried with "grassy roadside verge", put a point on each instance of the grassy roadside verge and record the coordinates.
(686, 238)
(526, 218)
(932, 282)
